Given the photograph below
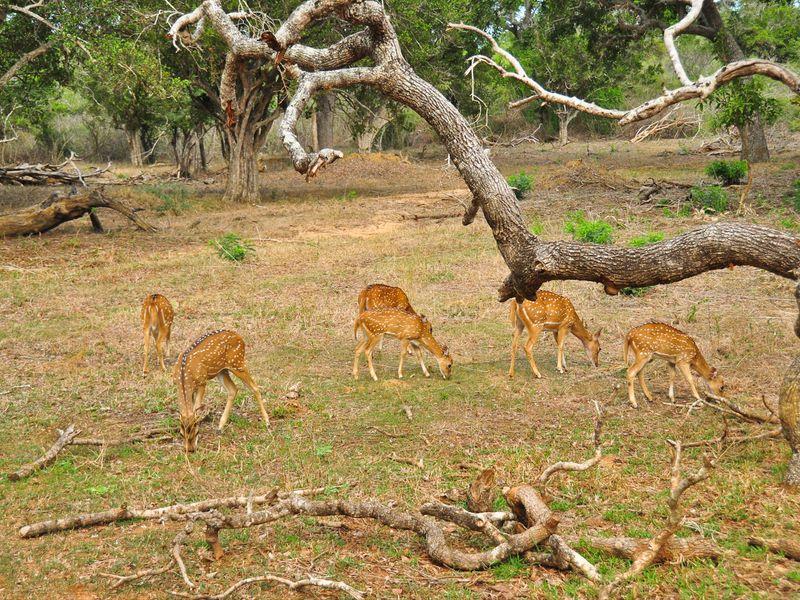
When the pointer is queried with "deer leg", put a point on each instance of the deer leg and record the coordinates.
(403, 349)
(642, 383)
(244, 375)
(672, 371)
(230, 387)
(514, 347)
(633, 371)
(146, 348)
(418, 352)
(199, 395)
(561, 361)
(359, 349)
(686, 371)
(160, 340)
(368, 351)
(533, 336)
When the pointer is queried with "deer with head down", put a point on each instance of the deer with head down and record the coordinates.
(550, 312)
(674, 346)
(380, 295)
(408, 328)
(157, 316)
(214, 354)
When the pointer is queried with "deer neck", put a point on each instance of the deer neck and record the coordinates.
(579, 330)
(432, 345)
(700, 365)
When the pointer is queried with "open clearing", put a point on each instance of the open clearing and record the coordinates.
(70, 351)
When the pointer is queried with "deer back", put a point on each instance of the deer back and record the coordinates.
(157, 311)
(665, 340)
(208, 355)
(548, 309)
(378, 296)
(395, 322)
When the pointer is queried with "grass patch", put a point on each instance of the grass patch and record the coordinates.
(586, 230)
(648, 238)
(521, 184)
(728, 172)
(709, 198)
(509, 569)
(232, 246)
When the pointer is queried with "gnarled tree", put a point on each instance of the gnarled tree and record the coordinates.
(532, 261)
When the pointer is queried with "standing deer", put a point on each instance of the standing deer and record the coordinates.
(214, 354)
(677, 348)
(408, 328)
(379, 295)
(550, 312)
(157, 316)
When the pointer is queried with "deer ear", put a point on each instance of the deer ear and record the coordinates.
(713, 372)
(599, 331)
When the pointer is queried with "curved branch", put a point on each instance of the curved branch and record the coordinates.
(707, 248)
(675, 30)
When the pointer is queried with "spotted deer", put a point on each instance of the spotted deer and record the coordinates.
(379, 295)
(157, 316)
(550, 312)
(219, 354)
(408, 328)
(674, 346)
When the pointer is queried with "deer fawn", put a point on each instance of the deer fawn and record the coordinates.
(157, 316)
(379, 295)
(550, 312)
(214, 354)
(408, 328)
(677, 348)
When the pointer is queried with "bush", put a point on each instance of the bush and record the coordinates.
(584, 230)
(232, 246)
(521, 184)
(795, 195)
(635, 292)
(709, 198)
(647, 238)
(728, 171)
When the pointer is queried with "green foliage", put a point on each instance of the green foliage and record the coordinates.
(728, 172)
(739, 102)
(323, 450)
(648, 238)
(635, 292)
(521, 183)
(174, 198)
(585, 230)
(709, 198)
(232, 246)
(537, 227)
(509, 569)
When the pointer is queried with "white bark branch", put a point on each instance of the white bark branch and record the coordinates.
(671, 32)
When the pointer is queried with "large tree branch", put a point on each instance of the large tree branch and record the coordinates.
(23, 60)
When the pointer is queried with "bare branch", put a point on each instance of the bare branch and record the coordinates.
(25, 59)
(64, 439)
(675, 30)
(571, 466)
(327, 584)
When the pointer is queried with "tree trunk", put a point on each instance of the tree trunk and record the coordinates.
(224, 144)
(789, 414)
(326, 103)
(314, 131)
(372, 126)
(754, 140)
(201, 147)
(135, 149)
(242, 183)
(565, 117)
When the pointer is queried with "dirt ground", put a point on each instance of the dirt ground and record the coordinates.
(70, 352)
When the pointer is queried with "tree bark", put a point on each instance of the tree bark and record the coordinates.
(326, 103)
(242, 184)
(135, 149)
(201, 147)
(789, 414)
(55, 211)
(565, 117)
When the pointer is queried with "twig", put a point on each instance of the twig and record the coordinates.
(387, 433)
(571, 466)
(327, 584)
(143, 574)
(177, 544)
(64, 439)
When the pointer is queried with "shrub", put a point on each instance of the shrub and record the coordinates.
(636, 292)
(232, 246)
(173, 198)
(584, 230)
(648, 238)
(709, 198)
(728, 171)
(521, 184)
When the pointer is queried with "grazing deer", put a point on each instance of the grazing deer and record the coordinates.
(408, 328)
(677, 348)
(214, 354)
(550, 312)
(157, 316)
(379, 295)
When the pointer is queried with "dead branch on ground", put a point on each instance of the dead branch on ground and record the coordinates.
(47, 174)
(480, 494)
(57, 210)
(788, 547)
(653, 550)
(69, 437)
(572, 466)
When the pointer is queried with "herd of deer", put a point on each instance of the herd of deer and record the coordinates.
(385, 310)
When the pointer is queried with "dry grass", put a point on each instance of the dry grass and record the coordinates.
(70, 332)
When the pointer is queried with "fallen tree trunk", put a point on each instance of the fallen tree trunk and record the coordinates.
(42, 174)
(674, 550)
(55, 211)
(787, 547)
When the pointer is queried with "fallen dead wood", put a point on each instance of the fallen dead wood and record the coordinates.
(69, 437)
(572, 466)
(57, 210)
(326, 584)
(654, 548)
(653, 187)
(435, 216)
(480, 494)
(672, 551)
(787, 547)
(46, 174)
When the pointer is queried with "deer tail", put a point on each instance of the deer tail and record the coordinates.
(625, 347)
(356, 326)
(362, 301)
